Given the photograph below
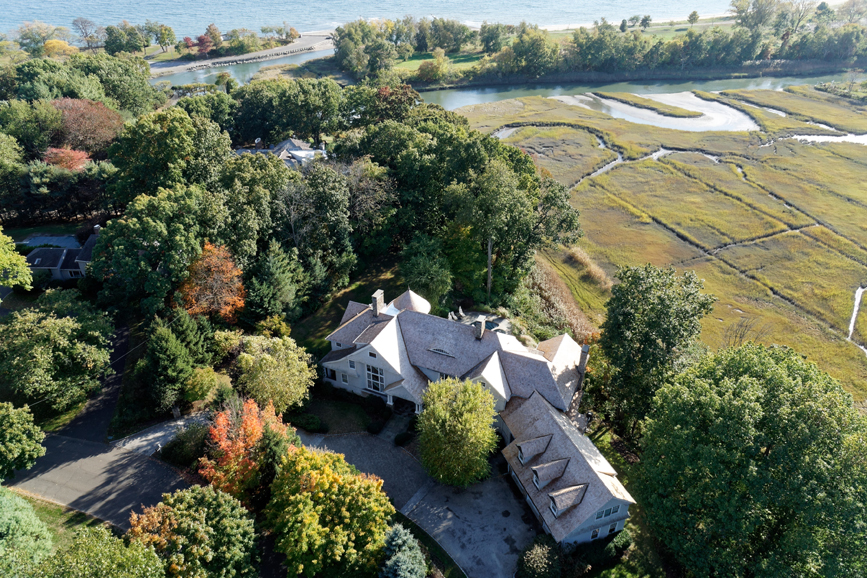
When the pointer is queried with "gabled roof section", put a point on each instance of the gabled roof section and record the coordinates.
(568, 497)
(353, 308)
(86, 254)
(528, 373)
(533, 447)
(338, 354)
(69, 260)
(551, 470)
(587, 482)
(491, 370)
(411, 301)
(364, 323)
(46, 258)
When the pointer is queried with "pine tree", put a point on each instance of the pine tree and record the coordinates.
(276, 284)
(170, 366)
(206, 330)
(187, 331)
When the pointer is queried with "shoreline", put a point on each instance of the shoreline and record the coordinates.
(775, 69)
(309, 42)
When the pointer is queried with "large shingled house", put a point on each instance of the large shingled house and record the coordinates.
(394, 350)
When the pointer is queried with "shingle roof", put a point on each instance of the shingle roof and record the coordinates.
(536, 418)
(411, 301)
(353, 308)
(535, 446)
(69, 260)
(352, 330)
(86, 254)
(551, 470)
(47, 258)
(338, 354)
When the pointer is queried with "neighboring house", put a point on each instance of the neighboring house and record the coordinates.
(291, 151)
(395, 350)
(63, 263)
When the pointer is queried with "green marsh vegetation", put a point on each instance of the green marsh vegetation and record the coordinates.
(775, 231)
(649, 104)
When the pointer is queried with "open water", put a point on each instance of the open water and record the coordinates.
(190, 18)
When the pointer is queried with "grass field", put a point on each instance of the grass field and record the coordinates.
(62, 522)
(776, 228)
(460, 61)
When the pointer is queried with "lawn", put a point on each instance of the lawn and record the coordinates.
(312, 330)
(724, 206)
(341, 416)
(18, 234)
(655, 106)
(62, 522)
(460, 61)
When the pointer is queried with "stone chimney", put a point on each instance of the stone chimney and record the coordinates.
(96, 229)
(582, 363)
(480, 326)
(378, 302)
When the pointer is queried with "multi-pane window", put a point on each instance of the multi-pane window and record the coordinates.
(612, 528)
(371, 354)
(599, 514)
(595, 534)
(615, 509)
(351, 364)
(375, 378)
(607, 512)
(343, 378)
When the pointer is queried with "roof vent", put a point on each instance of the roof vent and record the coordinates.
(441, 351)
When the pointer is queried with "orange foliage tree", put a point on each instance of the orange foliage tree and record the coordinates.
(214, 285)
(245, 448)
(66, 158)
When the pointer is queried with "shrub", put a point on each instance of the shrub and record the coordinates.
(375, 427)
(199, 532)
(96, 553)
(204, 384)
(308, 422)
(403, 556)
(403, 438)
(24, 538)
(187, 446)
(541, 559)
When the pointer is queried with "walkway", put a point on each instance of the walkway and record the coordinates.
(152, 439)
(81, 471)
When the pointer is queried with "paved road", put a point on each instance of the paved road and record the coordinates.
(93, 421)
(95, 478)
(150, 440)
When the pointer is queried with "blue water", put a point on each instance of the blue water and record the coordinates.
(191, 17)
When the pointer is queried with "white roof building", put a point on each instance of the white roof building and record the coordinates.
(394, 350)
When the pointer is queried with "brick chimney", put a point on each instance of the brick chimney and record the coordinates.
(378, 303)
(479, 324)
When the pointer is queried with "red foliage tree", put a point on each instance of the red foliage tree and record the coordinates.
(66, 158)
(189, 42)
(205, 44)
(236, 467)
(214, 285)
(87, 125)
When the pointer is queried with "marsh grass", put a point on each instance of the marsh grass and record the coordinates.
(806, 105)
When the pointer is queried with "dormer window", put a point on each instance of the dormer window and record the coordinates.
(554, 509)
(38, 259)
(338, 344)
(521, 457)
(536, 482)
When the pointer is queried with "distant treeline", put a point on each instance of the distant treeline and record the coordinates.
(764, 30)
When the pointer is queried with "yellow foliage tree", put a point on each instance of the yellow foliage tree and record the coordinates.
(56, 47)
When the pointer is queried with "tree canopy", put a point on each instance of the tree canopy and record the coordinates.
(753, 464)
(13, 265)
(456, 432)
(20, 440)
(275, 370)
(96, 553)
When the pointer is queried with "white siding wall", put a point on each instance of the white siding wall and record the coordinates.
(357, 378)
(584, 532)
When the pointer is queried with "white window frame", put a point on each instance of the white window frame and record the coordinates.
(595, 533)
(373, 373)
(612, 528)
(338, 344)
(536, 482)
(615, 509)
(554, 509)
(351, 364)
(521, 456)
(607, 512)
(371, 354)
(599, 514)
(344, 378)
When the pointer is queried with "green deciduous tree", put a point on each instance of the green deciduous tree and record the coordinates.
(275, 370)
(96, 553)
(170, 366)
(456, 432)
(199, 532)
(492, 37)
(143, 256)
(13, 266)
(753, 465)
(34, 125)
(653, 318)
(55, 351)
(425, 268)
(693, 18)
(329, 520)
(217, 107)
(24, 538)
(20, 440)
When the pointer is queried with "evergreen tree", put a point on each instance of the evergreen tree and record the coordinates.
(187, 331)
(276, 284)
(403, 557)
(170, 366)
(206, 330)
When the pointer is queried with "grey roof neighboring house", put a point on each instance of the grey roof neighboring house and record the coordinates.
(573, 473)
(86, 254)
(45, 258)
(291, 151)
(69, 260)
